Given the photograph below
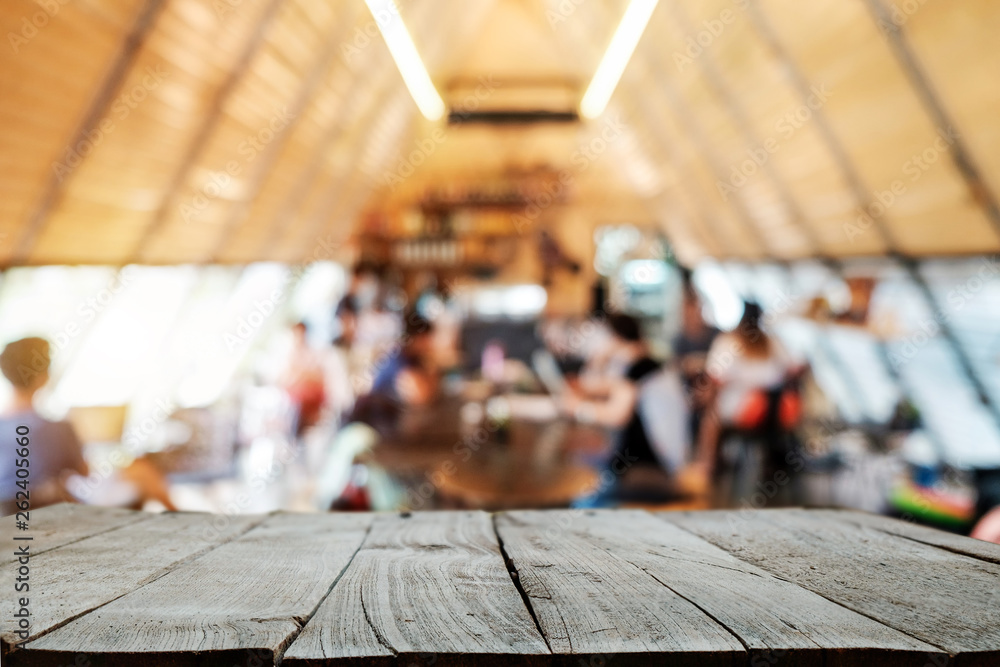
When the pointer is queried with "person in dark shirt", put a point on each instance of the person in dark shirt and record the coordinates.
(690, 349)
(616, 403)
(54, 448)
(694, 340)
(404, 378)
(407, 374)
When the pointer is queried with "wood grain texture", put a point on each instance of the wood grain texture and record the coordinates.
(82, 576)
(912, 531)
(239, 604)
(771, 587)
(426, 583)
(658, 577)
(590, 601)
(57, 525)
(945, 599)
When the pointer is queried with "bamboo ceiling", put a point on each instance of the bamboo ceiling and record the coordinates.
(173, 131)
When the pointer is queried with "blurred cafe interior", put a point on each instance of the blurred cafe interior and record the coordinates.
(338, 255)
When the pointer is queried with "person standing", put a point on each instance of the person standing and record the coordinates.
(303, 380)
(690, 349)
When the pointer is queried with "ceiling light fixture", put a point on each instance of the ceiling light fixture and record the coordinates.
(616, 58)
(404, 52)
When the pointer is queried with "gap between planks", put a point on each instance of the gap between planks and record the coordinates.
(777, 575)
(280, 652)
(516, 580)
(889, 529)
(6, 649)
(121, 519)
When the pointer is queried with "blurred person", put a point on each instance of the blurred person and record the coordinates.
(364, 285)
(644, 405)
(378, 325)
(612, 401)
(377, 330)
(692, 343)
(746, 363)
(405, 377)
(603, 361)
(54, 450)
(303, 380)
(408, 375)
(337, 362)
(558, 337)
(749, 370)
(346, 315)
(690, 349)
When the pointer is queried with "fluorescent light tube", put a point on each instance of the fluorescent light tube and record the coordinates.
(616, 58)
(404, 52)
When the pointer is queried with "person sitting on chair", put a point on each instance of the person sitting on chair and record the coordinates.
(749, 370)
(407, 375)
(54, 450)
(645, 407)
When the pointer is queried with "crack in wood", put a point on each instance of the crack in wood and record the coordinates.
(302, 621)
(145, 582)
(516, 579)
(761, 563)
(379, 637)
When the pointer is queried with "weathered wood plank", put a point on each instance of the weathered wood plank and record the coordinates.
(945, 599)
(430, 582)
(67, 582)
(911, 531)
(591, 602)
(239, 603)
(651, 577)
(57, 525)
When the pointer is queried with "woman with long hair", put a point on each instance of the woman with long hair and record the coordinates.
(748, 370)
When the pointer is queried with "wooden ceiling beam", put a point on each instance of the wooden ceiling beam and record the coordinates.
(719, 85)
(717, 239)
(696, 133)
(309, 175)
(268, 157)
(332, 203)
(209, 124)
(666, 152)
(860, 192)
(980, 190)
(833, 144)
(100, 107)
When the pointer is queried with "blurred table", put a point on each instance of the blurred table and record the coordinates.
(440, 461)
(559, 587)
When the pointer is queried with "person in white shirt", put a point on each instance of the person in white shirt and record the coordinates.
(746, 366)
(338, 368)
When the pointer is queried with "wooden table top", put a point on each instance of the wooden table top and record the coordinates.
(560, 587)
